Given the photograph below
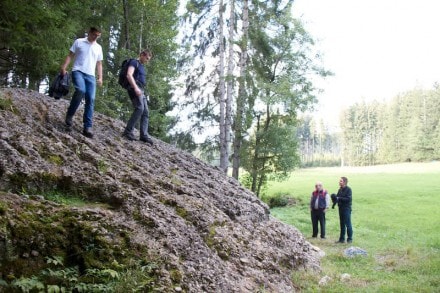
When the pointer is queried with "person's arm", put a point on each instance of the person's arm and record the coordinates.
(66, 63)
(99, 66)
(132, 82)
(327, 201)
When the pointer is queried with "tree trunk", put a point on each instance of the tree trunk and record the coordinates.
(222, 122)
(230, 88)
(255, 159)
(126, 24)
(238, 122)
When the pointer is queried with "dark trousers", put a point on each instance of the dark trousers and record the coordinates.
(345, 222)
(318, 216)
(140, 114)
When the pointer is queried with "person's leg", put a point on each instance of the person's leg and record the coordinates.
(314, 224)
(342, 225)
(90, 84)
(144, 136)
(144, 118)
(138, 109)
(78, 95)
(348, 224)
(322, 223)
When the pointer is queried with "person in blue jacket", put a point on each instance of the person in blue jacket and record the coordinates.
(344, 199)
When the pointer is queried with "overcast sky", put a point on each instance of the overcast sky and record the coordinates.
(376, 48)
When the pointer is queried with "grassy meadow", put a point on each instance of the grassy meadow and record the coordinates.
(395, 218)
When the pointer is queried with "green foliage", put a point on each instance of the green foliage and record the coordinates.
(3, 208)
(56, 159)
(280, 65)
(403, 251)
(28, 284)
(276, 76)
(28, 33)
(6, 104)
(278, 201)
(102, 166)
(36, 38)
(271, 152)
(139, 279)
(58, 278)
(318, 147)
(404, 130)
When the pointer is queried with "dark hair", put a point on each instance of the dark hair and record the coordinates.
(147, 52)
(94, 30)
(345, 179)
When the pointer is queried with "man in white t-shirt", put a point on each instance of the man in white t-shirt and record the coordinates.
(87, 55)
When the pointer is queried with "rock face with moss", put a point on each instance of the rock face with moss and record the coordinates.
(170, 220)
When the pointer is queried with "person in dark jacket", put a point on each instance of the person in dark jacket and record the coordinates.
(136, 76)
(319, 203)
(344, 198)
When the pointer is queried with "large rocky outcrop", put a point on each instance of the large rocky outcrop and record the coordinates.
(204, 231)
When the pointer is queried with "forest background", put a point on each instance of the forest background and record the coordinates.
(238, 74)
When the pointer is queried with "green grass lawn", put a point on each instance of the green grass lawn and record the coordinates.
(395, 217)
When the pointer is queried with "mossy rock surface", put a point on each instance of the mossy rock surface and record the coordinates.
(107, 204)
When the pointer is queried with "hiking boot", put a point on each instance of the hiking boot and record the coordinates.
(128, 135)
(87, 132)
(147, 139)
(69, 123)
(69, 120)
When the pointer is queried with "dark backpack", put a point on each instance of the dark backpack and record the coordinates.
(122, 79)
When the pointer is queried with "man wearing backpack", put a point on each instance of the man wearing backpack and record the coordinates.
(88, 57)
(136, 78)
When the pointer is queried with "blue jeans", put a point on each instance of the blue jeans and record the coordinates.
(140, 113)
(85, 87)
(345, 222)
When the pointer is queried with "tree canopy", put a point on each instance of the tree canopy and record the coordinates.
(36, 37)
(242, 73)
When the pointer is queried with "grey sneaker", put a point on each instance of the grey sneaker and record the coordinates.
(129, 136)
(87, 132)
(147, 139)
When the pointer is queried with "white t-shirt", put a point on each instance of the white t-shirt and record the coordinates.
(86, 55)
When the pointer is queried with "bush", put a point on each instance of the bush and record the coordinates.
(278, 201)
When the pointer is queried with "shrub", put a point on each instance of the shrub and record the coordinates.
(278, 201)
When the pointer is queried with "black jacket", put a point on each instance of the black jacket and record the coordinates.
(60, 86)
(344, 197)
